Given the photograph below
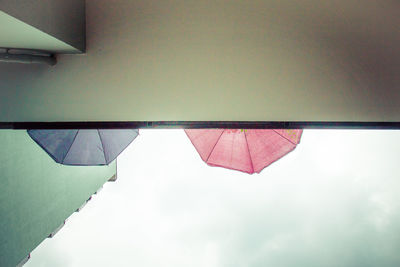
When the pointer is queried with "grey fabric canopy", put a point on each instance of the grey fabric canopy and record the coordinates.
(84, 147)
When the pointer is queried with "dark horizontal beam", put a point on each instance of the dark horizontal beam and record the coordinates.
(200, 124)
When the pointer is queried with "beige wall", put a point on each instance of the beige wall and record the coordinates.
(219, 60)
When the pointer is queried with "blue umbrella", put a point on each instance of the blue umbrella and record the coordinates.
(84, 147)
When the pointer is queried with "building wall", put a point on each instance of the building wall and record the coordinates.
(64, 20)
(219, 60)
(37, 194)
(20, 35)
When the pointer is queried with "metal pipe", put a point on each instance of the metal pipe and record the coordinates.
(28, 59)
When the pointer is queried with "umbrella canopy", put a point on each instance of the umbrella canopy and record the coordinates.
(84, 147)
(248, 150)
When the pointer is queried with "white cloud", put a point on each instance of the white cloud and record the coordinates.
(331, 202)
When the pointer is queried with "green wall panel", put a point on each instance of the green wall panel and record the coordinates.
(37, 194)
(64, 21)
(17, 34)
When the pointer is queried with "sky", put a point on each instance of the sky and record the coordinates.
(333, 201)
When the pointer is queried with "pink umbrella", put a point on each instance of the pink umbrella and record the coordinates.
(248, 150)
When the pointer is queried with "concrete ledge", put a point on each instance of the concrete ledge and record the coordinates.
(52, 234)
(43, 24)
(113, 178)
(25, 260)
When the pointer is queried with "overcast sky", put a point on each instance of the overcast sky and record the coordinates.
(333, 201)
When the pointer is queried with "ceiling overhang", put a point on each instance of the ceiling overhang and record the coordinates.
(54, 26)
(148, 61)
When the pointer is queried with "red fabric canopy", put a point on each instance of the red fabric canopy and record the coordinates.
(247, 150)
